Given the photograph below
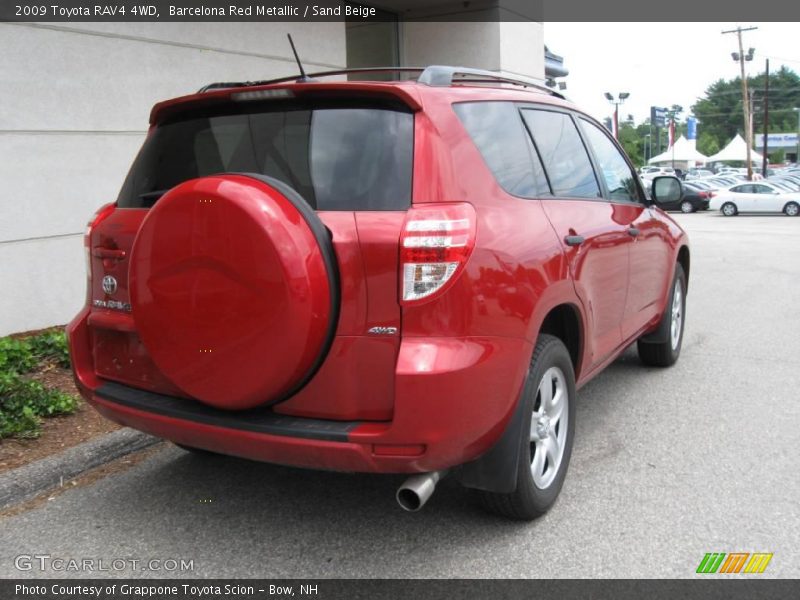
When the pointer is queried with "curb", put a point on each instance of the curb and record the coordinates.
(28, 481)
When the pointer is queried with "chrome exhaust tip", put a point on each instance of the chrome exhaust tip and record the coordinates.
(417, 490)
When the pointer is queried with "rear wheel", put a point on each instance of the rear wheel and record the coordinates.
(791, 209)
(546, 444)
(663, 347)
(729, 209)
(686, 207)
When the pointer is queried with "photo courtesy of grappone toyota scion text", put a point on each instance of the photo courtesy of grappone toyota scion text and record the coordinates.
(411, 276)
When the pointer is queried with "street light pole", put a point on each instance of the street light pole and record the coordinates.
(616, 102)
(740, 56)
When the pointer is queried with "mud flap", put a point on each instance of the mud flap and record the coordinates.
(496, 470)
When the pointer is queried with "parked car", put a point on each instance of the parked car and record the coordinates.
(652, 172)
(386, 277)
(790, 184)
(787, 184)
(694, 198)
(702, 184)
(721, 182)
(789, 180)
(694, 174)
(763, 196)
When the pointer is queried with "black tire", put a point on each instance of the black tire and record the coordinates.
(792, 209)
(686, 207)
(657, 349)
(732, 210)
(528, 501)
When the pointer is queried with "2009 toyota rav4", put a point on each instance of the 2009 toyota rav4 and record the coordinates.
(389, 277)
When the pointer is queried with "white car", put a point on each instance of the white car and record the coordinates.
(698, 174)
(762, 196)
(650, 173)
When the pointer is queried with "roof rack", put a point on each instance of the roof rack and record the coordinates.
(445, 76)
(233, 84)
(434, 75)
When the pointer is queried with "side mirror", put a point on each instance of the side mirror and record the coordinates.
(666, 189)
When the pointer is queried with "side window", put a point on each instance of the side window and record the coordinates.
(563, 154)
(743, 189)
(499, 135)
(762, 189)
(620, 179)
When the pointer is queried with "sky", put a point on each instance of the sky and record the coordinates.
(661, 64)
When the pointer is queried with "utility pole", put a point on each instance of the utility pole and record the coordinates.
(765, 149)
(740, 56)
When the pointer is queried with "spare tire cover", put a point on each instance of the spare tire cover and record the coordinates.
(234, 289)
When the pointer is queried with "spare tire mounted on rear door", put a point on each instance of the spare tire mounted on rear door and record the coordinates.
(234, 289)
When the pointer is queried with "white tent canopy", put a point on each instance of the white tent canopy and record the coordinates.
(681, 151)
(735, 150)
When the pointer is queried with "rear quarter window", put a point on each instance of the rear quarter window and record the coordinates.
(338, 158)
(497, 131)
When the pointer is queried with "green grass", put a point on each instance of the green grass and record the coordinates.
(23, 402)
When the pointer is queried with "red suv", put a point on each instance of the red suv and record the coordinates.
(389, 277)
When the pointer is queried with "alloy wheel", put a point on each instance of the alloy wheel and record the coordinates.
(677, 315)
(549, 425)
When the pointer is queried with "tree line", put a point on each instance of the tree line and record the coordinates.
(719, 116)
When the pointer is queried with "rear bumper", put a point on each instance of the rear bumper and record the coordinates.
(453, 399)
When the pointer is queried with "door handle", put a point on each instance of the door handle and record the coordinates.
(574, 240)
(633, 231)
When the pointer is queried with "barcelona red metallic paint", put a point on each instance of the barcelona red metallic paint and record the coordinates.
(453, 396)
(229, 291)
(442, 390)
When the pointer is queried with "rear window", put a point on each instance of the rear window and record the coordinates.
(337, 158)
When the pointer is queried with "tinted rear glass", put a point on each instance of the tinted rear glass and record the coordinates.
(498, 132)
(337, 158)
(563, 154)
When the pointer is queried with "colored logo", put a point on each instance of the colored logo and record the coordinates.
(735, 562)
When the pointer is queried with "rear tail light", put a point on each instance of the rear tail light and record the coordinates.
(435, 244)
(102, 213)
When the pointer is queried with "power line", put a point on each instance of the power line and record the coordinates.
(780, 58)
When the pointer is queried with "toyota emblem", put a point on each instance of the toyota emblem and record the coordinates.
(109, 284)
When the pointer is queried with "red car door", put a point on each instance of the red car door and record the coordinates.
(648, 243)
(595, 241)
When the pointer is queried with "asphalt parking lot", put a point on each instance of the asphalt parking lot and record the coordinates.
(667, 465)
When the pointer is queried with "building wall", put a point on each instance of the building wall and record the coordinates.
(74, 110)
(512, 47)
